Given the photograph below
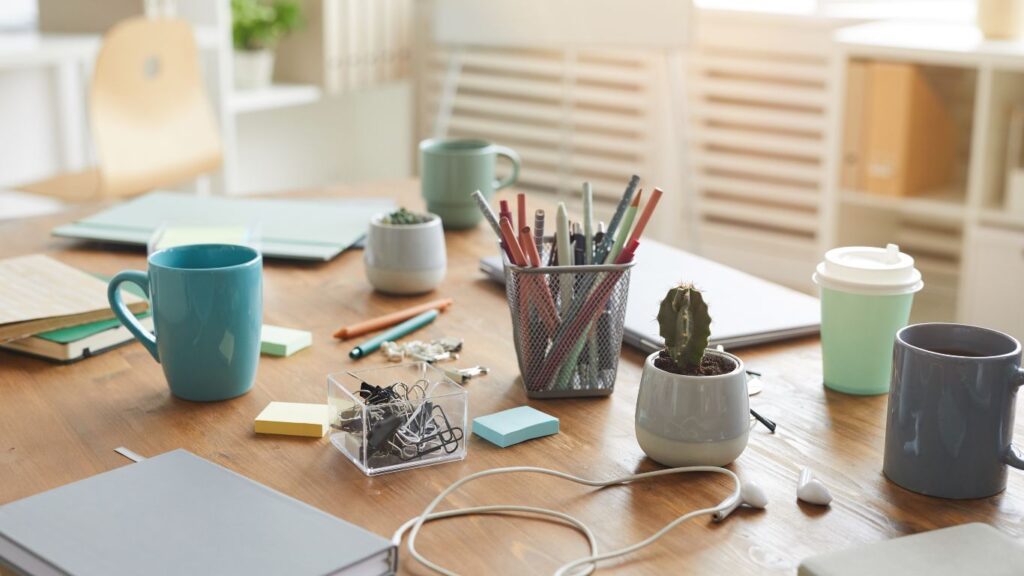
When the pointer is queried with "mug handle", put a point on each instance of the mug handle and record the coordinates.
(1013, 455)
(129, 320)
(513, 157)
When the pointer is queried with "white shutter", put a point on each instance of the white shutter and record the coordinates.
(573, 115)
(758, 94)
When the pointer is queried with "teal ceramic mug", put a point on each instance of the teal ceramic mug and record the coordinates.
(451, 170)
(207, 303)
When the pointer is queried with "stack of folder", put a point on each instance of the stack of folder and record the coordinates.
(50, 309)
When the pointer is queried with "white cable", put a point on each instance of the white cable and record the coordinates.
(720, 511)
(396, 538)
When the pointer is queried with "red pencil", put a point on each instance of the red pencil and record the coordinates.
(509, 235)
(529, 247)
(521, 206)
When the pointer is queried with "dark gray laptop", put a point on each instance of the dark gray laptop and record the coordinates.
(177, 514)
(745, 309)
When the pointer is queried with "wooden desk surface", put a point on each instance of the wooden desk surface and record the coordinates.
(59, 424)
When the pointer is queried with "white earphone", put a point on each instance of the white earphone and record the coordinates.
(811, 490)
(746, 493)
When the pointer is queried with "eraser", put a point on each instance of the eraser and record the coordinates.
(514, 425)
(277, 341)
(293, 419)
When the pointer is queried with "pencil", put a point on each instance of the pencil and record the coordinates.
(645, 217)
(391, 319)
(403, 329)
(518, 258)
(538, 230)
(521, 211)
(529, 247)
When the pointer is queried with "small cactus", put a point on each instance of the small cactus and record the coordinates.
(685, 325)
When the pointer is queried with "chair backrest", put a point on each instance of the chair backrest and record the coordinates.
(151, 119)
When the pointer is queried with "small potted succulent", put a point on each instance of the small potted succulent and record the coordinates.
(692, 408)
(405, 252)
(256, 28)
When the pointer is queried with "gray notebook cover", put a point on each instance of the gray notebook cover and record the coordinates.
(746, 310)
(956, 551)
(179, 514)
(303, 229)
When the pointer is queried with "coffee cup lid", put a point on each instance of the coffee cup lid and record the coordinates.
(869, 270)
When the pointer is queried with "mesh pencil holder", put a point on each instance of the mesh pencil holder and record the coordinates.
(567, 324)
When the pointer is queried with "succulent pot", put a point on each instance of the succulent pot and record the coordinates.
(693, 420)
(405, 258)
(253, 69)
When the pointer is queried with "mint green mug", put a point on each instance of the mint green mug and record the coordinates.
(453, 169)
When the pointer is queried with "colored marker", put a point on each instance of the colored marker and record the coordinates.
(411, 325)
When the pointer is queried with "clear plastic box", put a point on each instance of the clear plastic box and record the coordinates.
(397, 417)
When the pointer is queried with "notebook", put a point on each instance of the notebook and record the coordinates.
(310, 229)
(38, 294)
(82, 341)
(745, 309)
(77, 342)
(179, 514)
(956, 551)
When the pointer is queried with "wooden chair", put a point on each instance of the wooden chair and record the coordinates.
(151, 120)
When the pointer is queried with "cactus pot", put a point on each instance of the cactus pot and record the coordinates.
(686, 420)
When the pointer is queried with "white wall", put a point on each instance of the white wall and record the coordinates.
(356, 137)
(29, 147)
(361, 136)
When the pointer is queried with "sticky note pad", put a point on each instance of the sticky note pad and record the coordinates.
(293, 419)
(515, 425)
(186, 235)
(277, 341)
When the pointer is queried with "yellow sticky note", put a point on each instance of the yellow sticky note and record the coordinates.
(187, 235)
(293, 419)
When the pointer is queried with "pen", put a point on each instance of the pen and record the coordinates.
(599, 235)
(403, 329)
(588, 224)
(578, 245)
(564, 256)
(627, 223)
(606, 245)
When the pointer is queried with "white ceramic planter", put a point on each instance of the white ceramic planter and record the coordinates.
(405, 258)
(254, 69)
(693, 420)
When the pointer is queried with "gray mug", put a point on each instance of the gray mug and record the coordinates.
(951, 410)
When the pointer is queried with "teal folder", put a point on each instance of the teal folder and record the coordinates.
(306, 229)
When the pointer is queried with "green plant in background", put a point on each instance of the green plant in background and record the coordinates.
(258, 25)
(685, 324)
(403, 216)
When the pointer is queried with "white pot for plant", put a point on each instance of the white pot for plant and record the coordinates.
(405, 258)
(254, 69)
(693, 420)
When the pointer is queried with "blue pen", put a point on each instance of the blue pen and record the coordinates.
(411, 325)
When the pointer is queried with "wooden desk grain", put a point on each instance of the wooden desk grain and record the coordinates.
(59, 424)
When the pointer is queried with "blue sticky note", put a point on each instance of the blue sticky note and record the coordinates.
(514, 425)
